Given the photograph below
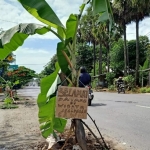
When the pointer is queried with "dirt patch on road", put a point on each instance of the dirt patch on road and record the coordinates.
(19, 128)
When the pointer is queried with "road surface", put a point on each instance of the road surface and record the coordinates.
(125, 117)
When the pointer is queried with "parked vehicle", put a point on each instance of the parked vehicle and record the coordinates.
(121, 88)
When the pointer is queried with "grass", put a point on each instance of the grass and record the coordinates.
(8, 106)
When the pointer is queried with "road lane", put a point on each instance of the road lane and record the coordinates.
(123, 117)
(119, 116)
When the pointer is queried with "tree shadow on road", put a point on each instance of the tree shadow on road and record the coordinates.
(97, 104)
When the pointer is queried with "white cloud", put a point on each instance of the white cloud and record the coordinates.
(11, 10)
(12, 13)
(144, 29)
(33, 59)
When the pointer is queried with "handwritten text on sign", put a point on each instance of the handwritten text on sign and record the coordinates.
(72, 102)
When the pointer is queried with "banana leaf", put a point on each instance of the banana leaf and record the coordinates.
(46, 103)
(42, 11)
(11, 39)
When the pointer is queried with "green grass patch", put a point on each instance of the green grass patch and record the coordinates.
(148, 90)
(143, 90)
(8, 106)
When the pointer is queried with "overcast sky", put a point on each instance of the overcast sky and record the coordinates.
(37, 50)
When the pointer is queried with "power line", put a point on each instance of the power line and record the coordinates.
(9, 21)
(31, 64)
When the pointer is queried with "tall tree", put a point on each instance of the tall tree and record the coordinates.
(140, 10)
(121, 11)
(88, 24)
(117, 55)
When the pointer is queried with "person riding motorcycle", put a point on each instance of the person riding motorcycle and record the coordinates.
(84, 78)
(119, 81)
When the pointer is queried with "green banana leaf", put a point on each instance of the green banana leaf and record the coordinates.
(146, 64)
(61, 32)
(46, 104)
(11, 39)
(99, 6)
(42, 11)
(71, 26)
(61, 59)
(103, 7)
(104, 16)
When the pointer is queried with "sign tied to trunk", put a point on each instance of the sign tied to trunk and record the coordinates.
(72, 102)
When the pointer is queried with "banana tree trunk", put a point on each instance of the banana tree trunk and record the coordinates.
(80, 134)
(137, 53)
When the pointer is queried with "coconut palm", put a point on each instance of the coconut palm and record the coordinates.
(121, 11)
(88, 24)
(140, 10)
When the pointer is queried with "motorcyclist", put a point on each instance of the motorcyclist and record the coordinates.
(119, 81)
(84, 78)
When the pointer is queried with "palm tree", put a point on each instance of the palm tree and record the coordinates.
(96, 33)
(121, 11)
(88, 23)
(140, 10)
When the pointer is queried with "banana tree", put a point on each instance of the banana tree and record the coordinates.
(66, 69)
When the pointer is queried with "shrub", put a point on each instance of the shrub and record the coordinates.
(8, 104)
(8, 101)
(130, 80)
(111, 88)
(143, 90)
(134, 90)
(110, 77)
(148, 90)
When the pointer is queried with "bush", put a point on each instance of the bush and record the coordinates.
(134, 90)
(111, 88)
(110, 77)
(143, 90)
(130, 80)
(8, 101)
(148, 90)
(8, 104)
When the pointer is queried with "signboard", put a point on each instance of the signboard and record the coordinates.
(13, 67)
(72, 102)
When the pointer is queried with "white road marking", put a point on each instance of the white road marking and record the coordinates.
(142, 106)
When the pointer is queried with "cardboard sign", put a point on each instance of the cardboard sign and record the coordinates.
(71, 102)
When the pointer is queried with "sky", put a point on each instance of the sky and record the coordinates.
(37, 50)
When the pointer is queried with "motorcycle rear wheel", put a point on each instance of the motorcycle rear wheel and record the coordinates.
(89, 102)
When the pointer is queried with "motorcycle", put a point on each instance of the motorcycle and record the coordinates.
(121, 88)
(91, 95)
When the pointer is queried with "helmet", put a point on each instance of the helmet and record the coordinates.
(82, 69)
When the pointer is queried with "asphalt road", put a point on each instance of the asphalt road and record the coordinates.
(125, 117)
